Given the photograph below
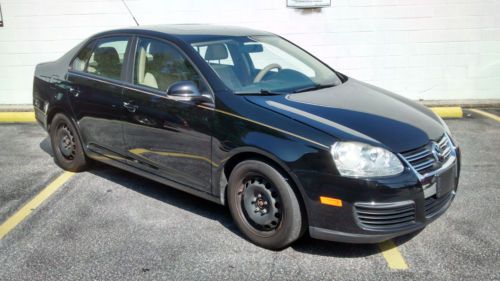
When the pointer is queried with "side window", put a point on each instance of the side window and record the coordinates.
(81, 59)
(107, 57)
(159, 64)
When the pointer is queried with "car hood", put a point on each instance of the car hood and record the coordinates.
(357, 111)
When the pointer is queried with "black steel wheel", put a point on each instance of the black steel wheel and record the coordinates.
(263, 205)
(66, 145)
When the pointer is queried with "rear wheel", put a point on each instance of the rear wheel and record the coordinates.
(66, 145)
(263, 205)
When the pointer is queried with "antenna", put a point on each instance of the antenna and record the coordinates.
(130, 12)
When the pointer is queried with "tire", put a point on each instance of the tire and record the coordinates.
(66, 145)
(264, 206)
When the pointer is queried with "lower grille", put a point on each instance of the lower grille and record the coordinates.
(434, 205)
(385, 216)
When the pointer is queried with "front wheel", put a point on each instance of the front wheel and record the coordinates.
(264, 205)
(66, 145)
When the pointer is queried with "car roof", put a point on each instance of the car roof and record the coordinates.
(183, 31)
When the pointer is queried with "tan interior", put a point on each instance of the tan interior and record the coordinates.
(143, 77)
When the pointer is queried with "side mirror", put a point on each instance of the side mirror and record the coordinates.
(186, 91)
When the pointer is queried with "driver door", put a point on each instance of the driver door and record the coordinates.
(167, 137)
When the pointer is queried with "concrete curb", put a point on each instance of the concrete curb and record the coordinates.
(448, 112)
(484, 103)
(17, 117)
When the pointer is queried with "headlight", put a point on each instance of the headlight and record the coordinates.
(355, 159)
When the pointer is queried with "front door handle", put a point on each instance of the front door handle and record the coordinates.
(130, 107)
(74, 91)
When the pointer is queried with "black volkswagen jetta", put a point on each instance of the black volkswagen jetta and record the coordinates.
(246, 118)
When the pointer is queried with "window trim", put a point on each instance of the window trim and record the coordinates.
(109, 81)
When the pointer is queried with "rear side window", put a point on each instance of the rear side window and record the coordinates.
(81, 59)
(107, 57)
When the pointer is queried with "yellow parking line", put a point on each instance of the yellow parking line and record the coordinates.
(12, 117)
(22, 213)
(486, 114)
(448, 112)
(392, 255)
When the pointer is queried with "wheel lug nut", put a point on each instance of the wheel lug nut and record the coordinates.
(264, 211)
(265, 203)
(259, 195)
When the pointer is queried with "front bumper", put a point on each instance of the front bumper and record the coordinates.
(379, 236)
(377, 210)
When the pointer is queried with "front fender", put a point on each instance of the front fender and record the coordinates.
(289, 156)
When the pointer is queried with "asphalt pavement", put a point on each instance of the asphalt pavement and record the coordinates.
(107, 224)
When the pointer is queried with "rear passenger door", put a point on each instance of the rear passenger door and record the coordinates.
(167, 137)
(95, 89)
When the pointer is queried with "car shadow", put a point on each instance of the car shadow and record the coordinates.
(46, 146)
(166, 194)
(313, 246)
(159, 191)
(216, 212)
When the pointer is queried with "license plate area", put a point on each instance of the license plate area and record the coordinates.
(430, 190)
(445, 182)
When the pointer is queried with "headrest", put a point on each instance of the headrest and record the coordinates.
(106, 55)
(216, 52)
(162, 52)
(157, 49)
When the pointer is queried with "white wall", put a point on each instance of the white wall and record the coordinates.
(423, 49)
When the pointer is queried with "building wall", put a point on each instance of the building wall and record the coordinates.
(422, 49)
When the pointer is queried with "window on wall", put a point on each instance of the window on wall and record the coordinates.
(1, 16)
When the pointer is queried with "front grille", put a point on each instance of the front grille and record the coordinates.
(434, 205)
(385, 216)
(423, 160)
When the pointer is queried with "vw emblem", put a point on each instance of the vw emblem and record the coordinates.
(437, 152)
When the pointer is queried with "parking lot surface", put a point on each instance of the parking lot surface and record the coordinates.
(107, 224)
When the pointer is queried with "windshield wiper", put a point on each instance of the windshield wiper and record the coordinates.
(261, 92)
(314, 87)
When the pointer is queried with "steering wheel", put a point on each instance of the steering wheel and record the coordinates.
(264, 71)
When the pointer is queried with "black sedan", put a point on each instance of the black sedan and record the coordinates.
(247, 119)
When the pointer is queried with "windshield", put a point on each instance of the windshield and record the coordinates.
(264, 64)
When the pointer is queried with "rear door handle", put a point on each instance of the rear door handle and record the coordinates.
(130, 107)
